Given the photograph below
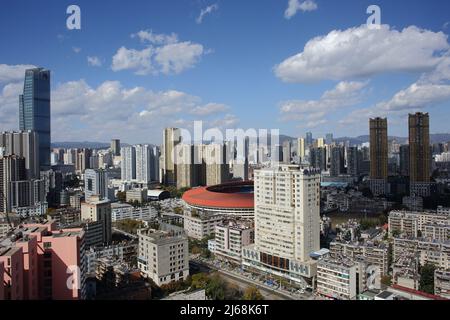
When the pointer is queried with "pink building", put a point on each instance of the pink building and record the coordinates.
(12, 259)
(2, 270)
(52, 262)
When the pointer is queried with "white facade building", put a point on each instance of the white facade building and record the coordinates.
(287, 222)
(128, 164)
(163, 255)
(124, 211)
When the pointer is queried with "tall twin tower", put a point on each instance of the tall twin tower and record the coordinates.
(34, 110)
(419, 154)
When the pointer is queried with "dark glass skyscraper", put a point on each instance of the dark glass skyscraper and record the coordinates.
(34, 110)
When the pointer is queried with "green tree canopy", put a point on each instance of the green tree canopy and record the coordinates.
(252, 293)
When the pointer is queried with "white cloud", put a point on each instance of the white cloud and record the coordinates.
(205, 11)
(94, 61)
(9, 106)
(295, 5)
(155, 38)
(345, 94)
(80, 111)
(363, 52)
(177, 57)
(11, 73)
(417, 96)
(163, 54)
(76, 49)
(131, 59)
(209, 109)
(229, 121)
(431, 89)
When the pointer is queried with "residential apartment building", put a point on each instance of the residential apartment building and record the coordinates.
(96, 183)
(336, 278)
(39, 261)
(199, 225)
(410, 223)
(287, 222)
(378, 155)
(427, 251)
(137, 194)
(230, 237)
(124, 211)
(97, 213)
(23, 144)
(442, 283)
(163, 254)
(373, 254)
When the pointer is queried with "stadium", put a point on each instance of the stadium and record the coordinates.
(231, 199)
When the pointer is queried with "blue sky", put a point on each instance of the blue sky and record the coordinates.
(231, 69)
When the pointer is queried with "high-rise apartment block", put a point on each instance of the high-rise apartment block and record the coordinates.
(171, 137)
(128, 164)
(115, 147)
(96, 183)
(378, 155)
(12, 169)
(419, 154)
(147, 162)
(287, 222)
(23, 144)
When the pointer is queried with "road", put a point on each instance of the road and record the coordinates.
(244, 282)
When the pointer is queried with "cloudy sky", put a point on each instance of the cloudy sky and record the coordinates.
(294, 65)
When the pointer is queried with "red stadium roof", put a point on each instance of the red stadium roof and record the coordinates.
(221, 196)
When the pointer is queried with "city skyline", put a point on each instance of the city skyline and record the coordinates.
(149, 74)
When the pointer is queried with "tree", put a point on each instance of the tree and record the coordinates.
(386, 280)
(215, 289)
(199, 281)
(427, 278)
(121, 196)
(252, 293)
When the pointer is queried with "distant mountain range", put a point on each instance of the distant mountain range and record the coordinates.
(435, 138)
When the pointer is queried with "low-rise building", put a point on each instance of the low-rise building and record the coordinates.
(163, 254)
(124, 211)
(442, 283)
(427, 251)
(436, 231)
(406, 272)
(199, 225)
(230, 237)
(138, 194)
(336, 278)
(409, 223)
(65, 216)
(121, 252)
(190, 296)
(373, 253)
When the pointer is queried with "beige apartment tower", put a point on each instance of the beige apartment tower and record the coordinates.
(287, 222)
(419, 154)
(378, 155)
(171, 137)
